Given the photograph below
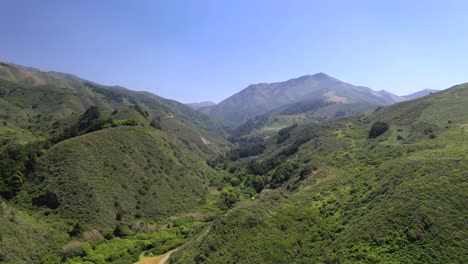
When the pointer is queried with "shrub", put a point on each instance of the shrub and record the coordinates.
(93, 235)
(247, 151)
(228, 198)
(76, 248)
(377, 129)
(121, 122)
(121, 231)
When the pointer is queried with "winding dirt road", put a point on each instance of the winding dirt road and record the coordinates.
(161, 259)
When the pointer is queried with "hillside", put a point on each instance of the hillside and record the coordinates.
(98, 174)
(44, 103)
(388, 187)
(84, 166)
(148, 175)
(275, 98)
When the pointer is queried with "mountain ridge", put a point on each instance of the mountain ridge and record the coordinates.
(420, 93)
(258, 99)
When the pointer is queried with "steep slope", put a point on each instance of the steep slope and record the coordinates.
(83, 164)
(263, 98)
(117, 174)
(43, 103)
(25, 239)
(388, 187)
(420, 94)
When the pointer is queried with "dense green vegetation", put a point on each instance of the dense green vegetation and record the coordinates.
(345, 197)
(86, 169)
(117, 174)
(95, 174)
(127, 249)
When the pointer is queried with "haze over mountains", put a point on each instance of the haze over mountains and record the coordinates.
(331, 96)
(197, 106)
(421, 93)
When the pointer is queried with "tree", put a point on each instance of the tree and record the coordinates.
(377, 129)
(228, 198)
(156, 123)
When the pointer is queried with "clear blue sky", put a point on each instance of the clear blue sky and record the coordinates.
(197, 50)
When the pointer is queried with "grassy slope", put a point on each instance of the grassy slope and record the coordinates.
(376, 200)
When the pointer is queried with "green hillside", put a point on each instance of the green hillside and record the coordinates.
(44, 103)
(98, 174)
(352, 191)
(121, 173)
(86, 167)
(27, 239)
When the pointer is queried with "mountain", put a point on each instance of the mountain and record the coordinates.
(197, 106)
(382, 187)
(420, 94)
(391, 97)
(99, 174)
(42, 103)
(82, 163)
(272, 98)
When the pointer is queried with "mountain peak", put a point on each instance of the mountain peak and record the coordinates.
(317, 75)
(268, 98)
(321, 74)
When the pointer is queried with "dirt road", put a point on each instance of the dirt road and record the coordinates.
(161, 259)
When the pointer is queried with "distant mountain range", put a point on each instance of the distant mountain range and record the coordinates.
(421, 93)
(320, 96)
(273, 98)
(196, 106)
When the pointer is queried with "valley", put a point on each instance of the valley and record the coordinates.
(334, 174)
(233, 132)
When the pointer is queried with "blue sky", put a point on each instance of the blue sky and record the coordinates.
(196, 50)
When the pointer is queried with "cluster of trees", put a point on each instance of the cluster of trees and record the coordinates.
(284, 134)
(16, 165)
(91, 121)
(156, 123)
(377, 129)
(140, 110)
(246, 151)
